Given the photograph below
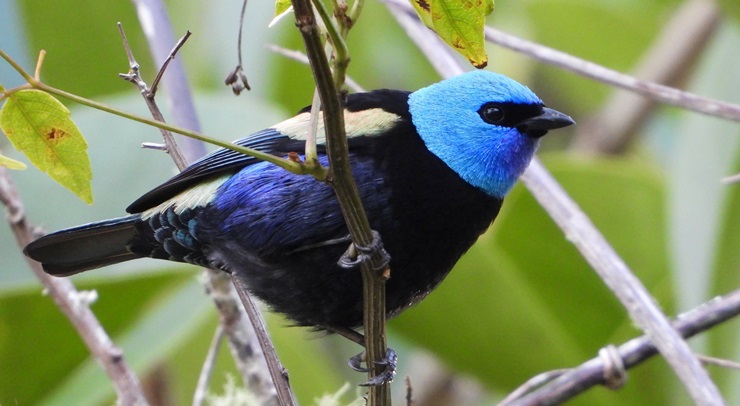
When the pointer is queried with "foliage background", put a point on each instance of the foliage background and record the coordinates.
(520, 302)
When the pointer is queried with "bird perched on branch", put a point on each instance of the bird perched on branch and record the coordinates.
(432, 168)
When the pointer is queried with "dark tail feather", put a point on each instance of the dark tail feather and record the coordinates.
(85, 247)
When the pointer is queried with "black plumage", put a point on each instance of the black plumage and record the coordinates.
(284, 233)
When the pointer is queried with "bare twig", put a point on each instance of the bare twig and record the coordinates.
(236, 78)
(663, 94)
(302, 58)
(170, 58)
(201, 389)
(633, 352)
(277, 372)
(158, 30)
(720, 362)
(668, 61)
(66, 297)
(617, 276)
(615, 273)
(246, 351)
(731, 179)
(348, 196)
(134, 77)
(232, 316)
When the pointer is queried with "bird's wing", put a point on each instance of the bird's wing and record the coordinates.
(218, 162)
(367, 115)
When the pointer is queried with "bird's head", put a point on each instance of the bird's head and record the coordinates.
(484, 126)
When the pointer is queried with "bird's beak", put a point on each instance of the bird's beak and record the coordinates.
(549, 119)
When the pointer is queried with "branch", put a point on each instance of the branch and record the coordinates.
(71, 303)
(33, 83)
(158, 30)
(134, 77)
(615, 274)
(232, 316)
(618, 277)
(655, 91)
(671, 57)
(201, 389)
(374, 268)
(591, 373)
(278, 374)
(661, 93)
(302, 58)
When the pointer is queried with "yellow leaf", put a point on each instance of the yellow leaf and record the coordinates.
(459, 23)
(11, 163)
(40, 126)
(281, 6)
(424, 10)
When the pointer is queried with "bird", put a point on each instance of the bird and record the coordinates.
(432, 168)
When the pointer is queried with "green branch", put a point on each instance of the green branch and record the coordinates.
(348, 195)
(291, 166)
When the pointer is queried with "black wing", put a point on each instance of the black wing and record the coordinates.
(271, 141)
(219, 161)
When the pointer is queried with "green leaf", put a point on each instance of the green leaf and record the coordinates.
(11, 163)
(459, 23)
(281, 6)
(40, 126)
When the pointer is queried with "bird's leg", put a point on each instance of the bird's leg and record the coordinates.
(355, 362)
(355, 254)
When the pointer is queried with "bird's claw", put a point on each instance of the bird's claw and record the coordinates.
(356, 361)
(385, 376)
(356, 254)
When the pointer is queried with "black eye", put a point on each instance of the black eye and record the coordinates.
(492, 113)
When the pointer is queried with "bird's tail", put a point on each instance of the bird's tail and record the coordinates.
(85, 247)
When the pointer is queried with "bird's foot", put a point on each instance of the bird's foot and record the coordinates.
(385, 376)
(356, 254)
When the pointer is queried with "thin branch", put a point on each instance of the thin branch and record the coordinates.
(287, 164)
(720, 362)
(67, 298)
(277, 372)
(340, 53)
(656, 91)
(671, 57)
(158, 31)
(661, 93)
(243, 343)
(201, 389)
(438, 54)
(632, 353)
(616, 275)
(134, 77)
(236, 78)
(374, 269)
(223, 294)
(170, 58)
(302, 58)
(731, 179)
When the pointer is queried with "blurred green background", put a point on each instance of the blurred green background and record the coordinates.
(522, 301)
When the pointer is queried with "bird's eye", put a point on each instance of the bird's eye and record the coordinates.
(491, 113)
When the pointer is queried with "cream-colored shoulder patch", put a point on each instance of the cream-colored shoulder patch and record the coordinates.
(196, 196)
(367, 123)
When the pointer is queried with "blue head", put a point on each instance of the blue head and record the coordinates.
(484, 126)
